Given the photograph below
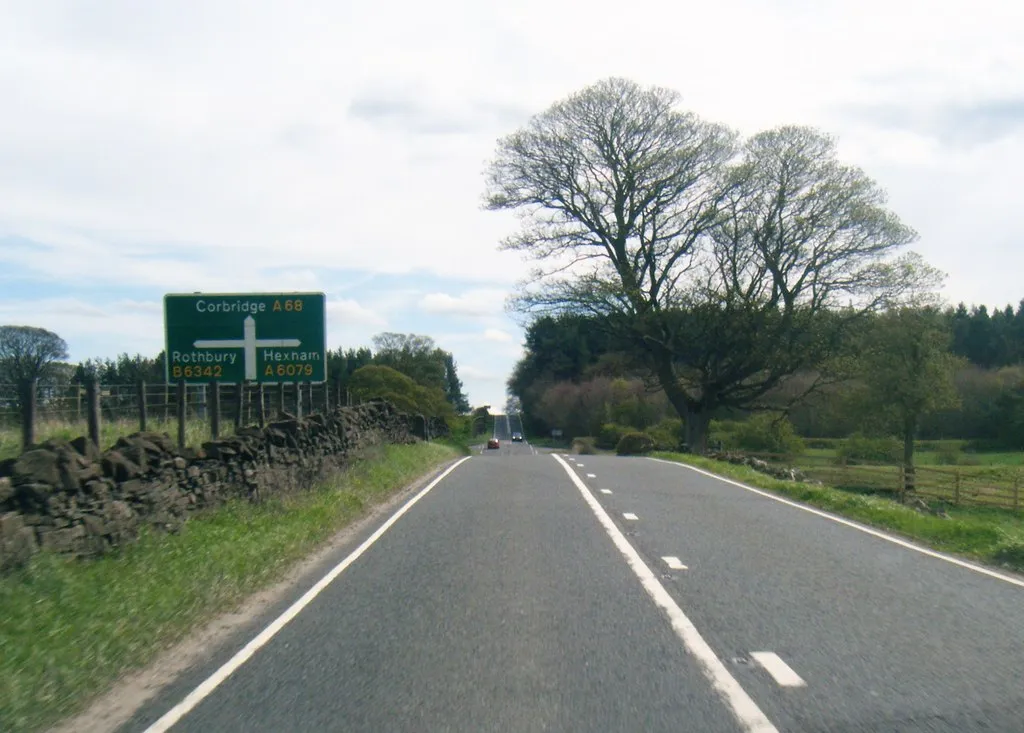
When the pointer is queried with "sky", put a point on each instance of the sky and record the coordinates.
(339, 147)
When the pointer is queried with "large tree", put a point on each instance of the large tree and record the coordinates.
(724, 264)
(28, 353)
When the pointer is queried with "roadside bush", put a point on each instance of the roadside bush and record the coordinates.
(722, 434)
(610, 434)
(859, 448)
(764, 433)
(667, 434)
(633, 444)
(583, 446)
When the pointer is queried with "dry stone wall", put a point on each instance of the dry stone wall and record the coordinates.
(71, 498)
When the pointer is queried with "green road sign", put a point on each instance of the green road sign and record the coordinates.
(253, 337)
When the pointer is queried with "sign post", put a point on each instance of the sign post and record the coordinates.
(234, 338)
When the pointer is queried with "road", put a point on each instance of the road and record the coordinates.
(526, 591)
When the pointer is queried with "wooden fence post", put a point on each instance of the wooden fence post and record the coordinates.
(92, 408)
(239, 404)
(182, 413)
(298, 400)
(280, 398)
(327, 396)
(261, 411)
(903, 484)
(956, 488)
(141, 387)
(29, 390)
(1016, 490)
(214, 409)
(309, 398)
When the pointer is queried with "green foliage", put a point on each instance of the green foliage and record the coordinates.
(667, 434)
(609, 435)
(634, 444)
(859, 448)
(381, 382)
(766, 433)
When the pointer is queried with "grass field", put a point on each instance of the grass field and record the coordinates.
(69, 628)
(196, 432)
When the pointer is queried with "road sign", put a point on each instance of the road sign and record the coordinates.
(253, 337)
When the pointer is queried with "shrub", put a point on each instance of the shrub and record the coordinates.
(764, 433)
(859, 448)
(722, 433)
(583, 446)
(609, 435)
(667, 435)
(632, 444)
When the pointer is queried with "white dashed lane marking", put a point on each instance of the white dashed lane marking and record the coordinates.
(673, 562)
(630, 516)
(606, 491)
(591, 475)
(773, 665)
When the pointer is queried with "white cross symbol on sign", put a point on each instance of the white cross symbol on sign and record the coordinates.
(249, 342)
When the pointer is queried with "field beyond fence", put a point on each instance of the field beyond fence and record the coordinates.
(993, 485)
(194, 413)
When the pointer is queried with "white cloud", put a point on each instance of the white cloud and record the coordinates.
(475, 303)
(351, 312)
(218, 146)
(494, 334)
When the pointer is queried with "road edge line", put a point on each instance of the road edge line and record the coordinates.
(742, 706)
(880, 534)
(207, 686)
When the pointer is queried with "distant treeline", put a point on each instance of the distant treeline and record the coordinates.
(575, 377)
(409, 369)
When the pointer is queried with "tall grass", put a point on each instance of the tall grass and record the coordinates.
(69, 628)
(196, 432)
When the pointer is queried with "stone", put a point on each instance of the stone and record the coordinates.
(118, 467)
(86, 448)
(7, 467)
(6, 491)
(37, 466)
(180, 463)
(33, 495)
(17, 548)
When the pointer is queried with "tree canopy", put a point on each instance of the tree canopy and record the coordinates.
(728, 267)
(28, 352)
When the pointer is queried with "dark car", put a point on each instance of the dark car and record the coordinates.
(493, 443)
(517, 437)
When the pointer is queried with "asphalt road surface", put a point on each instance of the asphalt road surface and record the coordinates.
(525, 591)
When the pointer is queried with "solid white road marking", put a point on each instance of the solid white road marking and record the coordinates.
(606, 491)
(176, 713)
(591, 475)
(743, 707)
(630, 516)
(579, 465)
(859, 527)
(673, 562)
(778, 669)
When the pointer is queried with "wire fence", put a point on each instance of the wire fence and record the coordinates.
(994, 486)
(66, 408)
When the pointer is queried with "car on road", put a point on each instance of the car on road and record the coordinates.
(517, 437)
(493, 443)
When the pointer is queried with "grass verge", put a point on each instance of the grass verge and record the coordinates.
(992, 536)
(69, 628)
